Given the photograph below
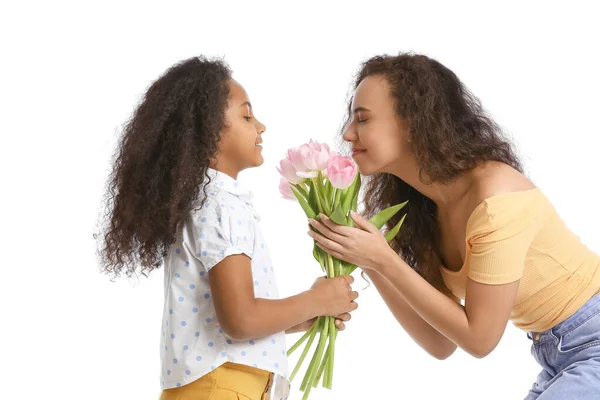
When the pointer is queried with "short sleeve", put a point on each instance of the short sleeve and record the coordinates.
(498, 240)
(220, 233)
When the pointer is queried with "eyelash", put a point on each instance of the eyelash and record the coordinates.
(248, 119)
(361, 121)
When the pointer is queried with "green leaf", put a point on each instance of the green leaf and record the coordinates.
(350, 194)
(383, 216)
(328, 191)
(337, 195)
(354, 203)
(394, 231)
(301, 190)
(322, 195)
(316, 253)
(312, 196)
(338, 216)
(308, 210)
(319, 255)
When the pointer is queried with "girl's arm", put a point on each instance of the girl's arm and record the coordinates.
(243, 317)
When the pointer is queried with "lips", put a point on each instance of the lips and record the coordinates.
(356, 151)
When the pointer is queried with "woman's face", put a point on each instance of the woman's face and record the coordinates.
(377, 135)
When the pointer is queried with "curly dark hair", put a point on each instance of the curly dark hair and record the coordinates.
(450, 134)
(161, 163)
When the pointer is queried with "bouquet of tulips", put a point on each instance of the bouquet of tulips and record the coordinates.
(324, 182)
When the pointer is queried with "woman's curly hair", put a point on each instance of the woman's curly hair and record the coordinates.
(450, 134)
(161, 163)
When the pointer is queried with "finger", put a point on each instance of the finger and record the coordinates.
(344, 317)
(331, 252)
(348, 278)
(340, 325)
(329, 246)
(339, 229)
(353, 306)
(326, 231)
(354, 295)
(362, 222)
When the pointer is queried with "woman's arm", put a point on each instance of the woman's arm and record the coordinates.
(476, 328)
(243, 317)
(432, 341)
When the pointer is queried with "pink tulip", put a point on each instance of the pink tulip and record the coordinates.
(295, 157)
(286, 190)
(314, 156)
(288, 171)
(341, 171)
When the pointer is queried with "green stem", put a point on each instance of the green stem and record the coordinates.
(307, 374)
(330, 270)
(322, 368)
(313, 368)
(313, 334)
(331, 354)
(302, 339)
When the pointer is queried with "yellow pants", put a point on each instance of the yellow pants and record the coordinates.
(228, 382)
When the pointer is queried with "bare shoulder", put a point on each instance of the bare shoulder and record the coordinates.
(495, 178)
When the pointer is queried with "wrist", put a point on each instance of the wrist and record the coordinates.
(383, 262)
(312, 300)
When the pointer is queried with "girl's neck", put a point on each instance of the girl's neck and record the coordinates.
(225, 168)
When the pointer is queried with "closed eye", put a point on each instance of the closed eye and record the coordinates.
(248, 118)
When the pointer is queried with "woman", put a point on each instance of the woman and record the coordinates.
(476, 229)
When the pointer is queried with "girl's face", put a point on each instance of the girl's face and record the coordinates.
(377, 135)
(240, 145)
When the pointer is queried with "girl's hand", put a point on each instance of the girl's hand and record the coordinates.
(333, 296)
(364, 245)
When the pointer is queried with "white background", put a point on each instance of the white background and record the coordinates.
(71, 75)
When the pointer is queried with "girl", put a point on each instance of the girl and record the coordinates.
(477, 229)
(174, 197)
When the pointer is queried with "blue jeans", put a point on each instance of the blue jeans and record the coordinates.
(569, 354)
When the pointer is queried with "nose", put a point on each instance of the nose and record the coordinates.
(350, 134)
(260, 127)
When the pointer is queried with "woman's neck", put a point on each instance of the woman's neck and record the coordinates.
(445, 195)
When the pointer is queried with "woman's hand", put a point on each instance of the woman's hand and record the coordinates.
(364, 245)
(340, 323)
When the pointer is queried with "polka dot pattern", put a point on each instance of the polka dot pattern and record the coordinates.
(193, 342)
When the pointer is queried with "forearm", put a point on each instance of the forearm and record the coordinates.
(437, 310)
(431, 340)
(266, 317)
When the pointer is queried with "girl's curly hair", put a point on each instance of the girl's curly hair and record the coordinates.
(449, 134)
(161, 163)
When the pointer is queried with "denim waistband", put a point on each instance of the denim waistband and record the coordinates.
(585, 312)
